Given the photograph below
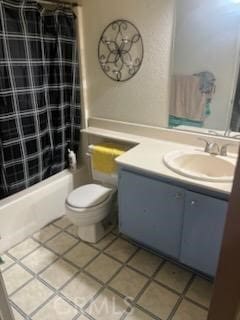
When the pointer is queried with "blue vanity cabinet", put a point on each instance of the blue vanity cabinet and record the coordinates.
(203, 227)
(151, 212)
(185, 225)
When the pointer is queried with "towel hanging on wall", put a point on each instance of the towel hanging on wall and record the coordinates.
(104, 155)
(187, 101)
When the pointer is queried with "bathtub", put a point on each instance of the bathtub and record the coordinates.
(29, 210)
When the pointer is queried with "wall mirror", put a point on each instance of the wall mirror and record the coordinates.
(205, 78)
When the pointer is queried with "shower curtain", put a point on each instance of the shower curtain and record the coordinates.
(39, 93)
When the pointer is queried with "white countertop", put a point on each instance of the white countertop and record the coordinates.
(148, 154)
(148, 157)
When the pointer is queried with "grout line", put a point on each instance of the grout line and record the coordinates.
(41, 306)
(76, 317)
(59, 234)
(49, 239)
(21, 258)
(106, 285)
(196, 304)
(37, 276)
(21, 287)
(169, 259)
(166, 287)
(141, 292)
(178, 264)
(174, 310)
(59, 256)
(57, 292)
(7, 268)
(16, 307)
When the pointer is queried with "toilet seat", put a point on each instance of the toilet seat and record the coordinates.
(88, 196)
(84, 212)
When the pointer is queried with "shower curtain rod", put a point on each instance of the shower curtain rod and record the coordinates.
(69, 4)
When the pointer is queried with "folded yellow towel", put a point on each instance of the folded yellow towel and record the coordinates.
(103, 157)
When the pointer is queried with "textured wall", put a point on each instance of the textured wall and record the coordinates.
(145, 98)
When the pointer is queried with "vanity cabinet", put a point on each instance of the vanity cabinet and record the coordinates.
(151, 212)
(185, 225)
(203, 227)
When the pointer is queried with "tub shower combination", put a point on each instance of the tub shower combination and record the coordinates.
(39, 114)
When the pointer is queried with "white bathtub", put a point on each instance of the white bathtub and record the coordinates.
(29, 210)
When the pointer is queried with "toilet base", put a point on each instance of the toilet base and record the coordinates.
(91, 233)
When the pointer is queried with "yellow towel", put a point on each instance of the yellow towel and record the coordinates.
(103, 157)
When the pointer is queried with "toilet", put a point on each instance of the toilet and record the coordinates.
(88, 205)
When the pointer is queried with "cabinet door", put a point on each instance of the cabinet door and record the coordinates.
(151, 212)
(204, 220)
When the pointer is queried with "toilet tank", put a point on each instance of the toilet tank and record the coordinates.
(105, 179)
(101, 177)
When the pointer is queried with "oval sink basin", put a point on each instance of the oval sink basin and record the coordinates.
(201, 166)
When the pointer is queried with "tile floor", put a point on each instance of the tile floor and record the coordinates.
(53, 275)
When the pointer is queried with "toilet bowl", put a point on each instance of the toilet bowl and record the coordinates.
(89, 205)
(86, 207)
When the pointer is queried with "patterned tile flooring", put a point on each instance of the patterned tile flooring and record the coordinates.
(53, 275)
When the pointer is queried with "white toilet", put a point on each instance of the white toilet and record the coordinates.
(88, 205)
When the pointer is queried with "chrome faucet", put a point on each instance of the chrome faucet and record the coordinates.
(211, 147)
(214, 149)
(223, 151)
(228, 134)
(213, 132)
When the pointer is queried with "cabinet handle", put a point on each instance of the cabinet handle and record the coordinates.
(193, 203)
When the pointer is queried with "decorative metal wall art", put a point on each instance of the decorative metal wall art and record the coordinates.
(120, 50)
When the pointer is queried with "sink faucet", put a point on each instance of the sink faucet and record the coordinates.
(214, 149)
(228, 133)
(211, 147)
(213, 132)
(223, 151)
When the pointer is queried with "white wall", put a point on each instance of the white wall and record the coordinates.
(145, 98)
(207, 34)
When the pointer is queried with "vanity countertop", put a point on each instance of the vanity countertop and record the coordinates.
(148, 153)
(148, 157)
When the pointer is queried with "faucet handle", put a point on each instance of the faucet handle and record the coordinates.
(206, 149)
(223, 151)
(213, 132)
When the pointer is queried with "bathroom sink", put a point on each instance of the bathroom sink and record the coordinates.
(201, 165)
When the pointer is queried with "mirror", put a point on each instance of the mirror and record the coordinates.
(205, 81)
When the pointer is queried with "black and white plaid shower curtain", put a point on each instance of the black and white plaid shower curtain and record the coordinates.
(39, 93)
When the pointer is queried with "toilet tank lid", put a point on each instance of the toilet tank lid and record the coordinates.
(87, 196)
